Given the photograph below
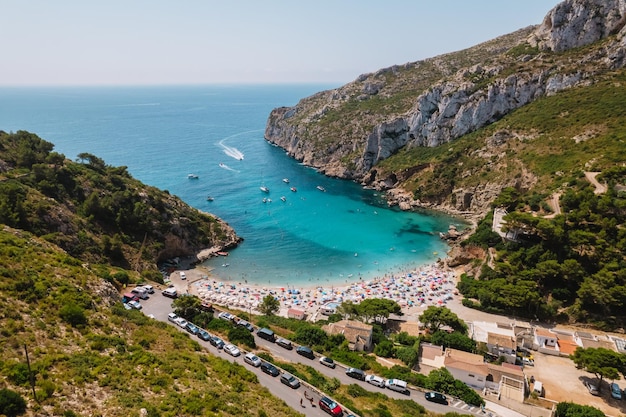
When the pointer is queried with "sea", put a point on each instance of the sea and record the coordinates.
(205, 144)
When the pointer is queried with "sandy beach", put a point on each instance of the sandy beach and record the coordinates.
(413, 290)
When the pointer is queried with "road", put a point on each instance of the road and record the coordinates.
(159, 306)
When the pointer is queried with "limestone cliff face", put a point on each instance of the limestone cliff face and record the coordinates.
(575, 23)
(320, 132)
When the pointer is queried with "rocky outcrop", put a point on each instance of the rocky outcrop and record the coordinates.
(459, 103)
(575, 23)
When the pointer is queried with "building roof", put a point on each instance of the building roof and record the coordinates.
(508, 369)
(545, 333)
(480, 369)
(461, 356)
(430, 351)
(501, 340)
(352, 330)
(294, 312)
(567, 346)
(585, 335)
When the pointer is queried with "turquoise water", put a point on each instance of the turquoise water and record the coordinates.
(162, 134)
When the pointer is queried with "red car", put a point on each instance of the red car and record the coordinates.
(330, 407)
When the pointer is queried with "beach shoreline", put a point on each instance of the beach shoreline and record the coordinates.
(414, 290)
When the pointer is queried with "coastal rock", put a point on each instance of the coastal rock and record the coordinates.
(322, 132)
(575, 23)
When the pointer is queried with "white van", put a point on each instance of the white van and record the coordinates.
(183, 275)
(538, 388)
(149, 288)
(141, 292)
(397, 385)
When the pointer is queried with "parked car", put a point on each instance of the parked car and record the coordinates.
(149, 288)
(305, 351)
(356, 373)
(181, 322)
(170, 292)
(330, 406)
(192, 328)
(397, 385)
(528, 362)
(204, 335)
(127, 306)
(616, 391)
(206, 307)
(436, 397)
(284, 343)
(134, 304)
(217, 342)
(324, 360)
(172, 317)
(232, 350)
(290, 380)
(225, 316)
(375, 380)
(183, 275)
(252, 359)
(246, 324)
(266, 334)
(269, 369)
(592, 388)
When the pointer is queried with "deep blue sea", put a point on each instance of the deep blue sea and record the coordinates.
(162, 134)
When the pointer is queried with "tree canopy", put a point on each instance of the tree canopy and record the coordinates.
(571, 264)
(375, 310)
(601, 362)
(269, 305)
(434, 318)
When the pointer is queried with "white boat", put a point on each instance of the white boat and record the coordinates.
(293, 189)
(192, 176)
(286, 180)
(283, 198)
(322, 189)
(209, 198)
(264, 189)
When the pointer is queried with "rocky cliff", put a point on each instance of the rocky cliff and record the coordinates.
(348, 131)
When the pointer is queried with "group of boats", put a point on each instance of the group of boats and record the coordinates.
(283, 198)
(263, 188)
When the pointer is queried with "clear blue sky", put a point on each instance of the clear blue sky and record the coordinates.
(78, 42)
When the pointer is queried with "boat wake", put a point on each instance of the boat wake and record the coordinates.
(231, 151)
(226, 167)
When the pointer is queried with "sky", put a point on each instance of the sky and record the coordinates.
(158, 42)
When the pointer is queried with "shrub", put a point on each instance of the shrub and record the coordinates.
(11, 403)
(73, 314)
(241, 335)
(567, 409)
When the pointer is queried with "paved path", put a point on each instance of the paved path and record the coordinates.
(591, 177)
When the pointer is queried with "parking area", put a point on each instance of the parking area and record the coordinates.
(563, 382)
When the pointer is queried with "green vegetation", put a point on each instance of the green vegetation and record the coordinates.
(118, 360)
(11, 403)
(601, 362)
(568, 267)
(576, 410)
(95, 212)
(269, 305)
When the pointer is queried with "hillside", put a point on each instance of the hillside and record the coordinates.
(400, 129)
(98, 213)
(519, 123)
(90, 356)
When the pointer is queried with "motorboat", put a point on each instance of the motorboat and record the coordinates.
(264, 189)
(286, 180)
(322, 189)
(192, 176)
(293, 189)
(283, 198)
(209, 198)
